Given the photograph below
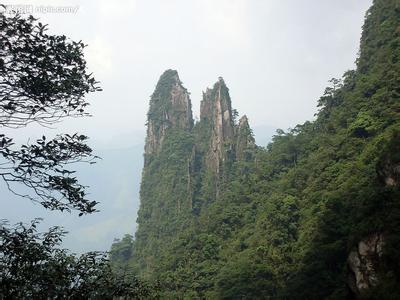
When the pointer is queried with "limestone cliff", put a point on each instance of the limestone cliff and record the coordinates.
(363, 263)
(223, 141)
(170, 107)
(216, 111)
(185, 164)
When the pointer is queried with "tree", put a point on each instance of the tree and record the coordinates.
(121, 252)
(44, 79)
(33, 266)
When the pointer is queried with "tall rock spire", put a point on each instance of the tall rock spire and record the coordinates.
(166, 187)
(170, 108)
(186, 166)
(216, 112)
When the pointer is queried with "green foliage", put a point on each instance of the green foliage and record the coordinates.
(33, 266)
(121, 252)
(43, 79)
(363, 126)
(285, 220)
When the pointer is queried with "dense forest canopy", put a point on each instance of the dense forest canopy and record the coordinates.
(314, 215)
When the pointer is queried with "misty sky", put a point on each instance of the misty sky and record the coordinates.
(276, 57)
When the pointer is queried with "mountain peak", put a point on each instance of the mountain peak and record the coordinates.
(170, 108)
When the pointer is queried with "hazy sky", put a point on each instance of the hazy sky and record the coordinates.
(276, 57)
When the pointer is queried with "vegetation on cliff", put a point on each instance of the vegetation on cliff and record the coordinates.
(314, 215)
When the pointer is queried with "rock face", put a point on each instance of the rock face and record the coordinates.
(363, 263)
(390, 173)
(170, 107)
(224, 141)
(216, 112)
(179, 159)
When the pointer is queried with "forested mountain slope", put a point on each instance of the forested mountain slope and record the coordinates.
(315, 215)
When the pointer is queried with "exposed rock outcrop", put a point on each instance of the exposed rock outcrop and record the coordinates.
(216, 112)
(220, 141)
(363, 263)
(225, 140)
(170, 107)
(389, 172)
